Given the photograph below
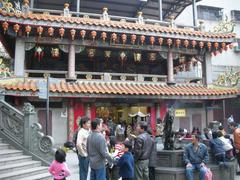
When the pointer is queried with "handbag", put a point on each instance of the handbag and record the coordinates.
(208, 174)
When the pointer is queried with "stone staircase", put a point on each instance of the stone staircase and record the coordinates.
(16, 166)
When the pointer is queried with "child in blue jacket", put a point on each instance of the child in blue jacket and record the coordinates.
(126, 162)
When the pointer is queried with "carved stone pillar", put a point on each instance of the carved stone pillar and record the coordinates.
(70, 119)
(153, 119)
(29, 120)
(19, 60)
(71, 62)
(207, 69)
(170, 78)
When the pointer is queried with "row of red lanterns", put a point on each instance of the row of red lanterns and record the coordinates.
(114, 37)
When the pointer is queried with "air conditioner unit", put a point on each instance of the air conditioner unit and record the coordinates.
(143, 0)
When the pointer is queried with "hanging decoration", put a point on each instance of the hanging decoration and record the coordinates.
(133, 38)
(72, 33)
(16, 28)
(83, 34)
(169, 42)
(91, 52)
(142, 39)
(152, 40)
(55, 53)
(28, 30)
(39, 53)
(114, 38)
(194, 43)
(124, 38)
(104, 36)
(107, 54)
(122, 57)
(152, 56)
(61, 32)
(5, 26)
(178, 43)
(209, 46)
(160, 41)
(201, 45)
(224, 46)
(137, 56)
(40, 30)
(50, 31)
(186, 43)
(93, 35)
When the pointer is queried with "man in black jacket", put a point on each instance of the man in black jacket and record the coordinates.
(142, 150)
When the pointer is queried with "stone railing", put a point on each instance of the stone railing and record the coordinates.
(22, 131)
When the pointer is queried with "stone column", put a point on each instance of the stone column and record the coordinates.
(194, 12)
(207, 69)
(160, 10)
(19, 60)
(29, 119)
(70, 118)
(71, 62)
(170, 78)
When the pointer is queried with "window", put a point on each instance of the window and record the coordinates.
(235, 15)
(209, 13)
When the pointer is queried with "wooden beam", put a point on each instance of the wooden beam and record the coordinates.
(108, 45)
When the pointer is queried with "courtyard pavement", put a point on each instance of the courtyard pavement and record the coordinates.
(72, 162)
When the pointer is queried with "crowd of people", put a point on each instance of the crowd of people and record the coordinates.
(113, 155)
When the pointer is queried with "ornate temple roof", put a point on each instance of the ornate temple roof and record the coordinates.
(120, 89)
(56, 21)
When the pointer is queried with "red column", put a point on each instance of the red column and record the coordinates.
(93, 112)
(70, 114)
(78, 112)
(153, 120)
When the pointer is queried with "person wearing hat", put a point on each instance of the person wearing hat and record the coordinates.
(126, 162)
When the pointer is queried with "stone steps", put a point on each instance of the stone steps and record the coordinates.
(16, 166)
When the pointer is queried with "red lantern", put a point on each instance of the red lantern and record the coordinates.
(40, 30)
(216, 45)
(50, 31)
(209, 45)
(224, 46)
(5, 26)
(16, 28)
(61, 32)
(160, 41)
(133, 38)
(28, 29)
(82, 33)
(142, 39)
(93, 34)
(186, 43)
(124, 38)
(104, 36)
(169, 42)
(194, 43)
(201, 44)
(178, 43)
(114, 37)
(39, 53)
(73, 33)
(152, 40)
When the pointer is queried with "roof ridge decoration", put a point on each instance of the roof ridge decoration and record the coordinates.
(103, 21)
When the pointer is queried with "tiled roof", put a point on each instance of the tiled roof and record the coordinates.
(116, 24)
(124, 88)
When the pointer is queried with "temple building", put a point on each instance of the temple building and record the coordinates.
(100, 61)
